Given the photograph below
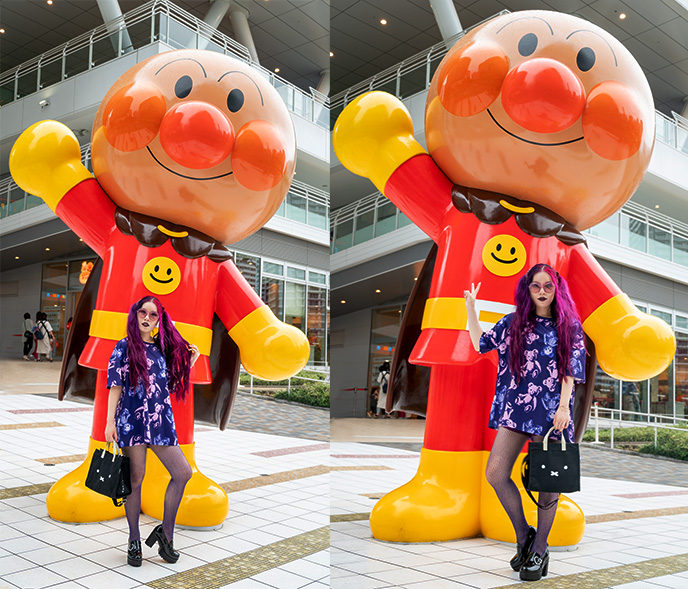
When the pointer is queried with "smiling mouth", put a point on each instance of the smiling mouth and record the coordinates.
(527, 140)
(504, 261)
(161, 281)
(182, 175)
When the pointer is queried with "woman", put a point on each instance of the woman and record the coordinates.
(383, 379)
(28, 335)
(44, 337)
(541, 353)
(144, 370)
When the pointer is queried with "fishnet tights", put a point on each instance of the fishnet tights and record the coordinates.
(175, 462)
(505, 450)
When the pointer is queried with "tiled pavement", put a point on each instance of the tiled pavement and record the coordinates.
(276, 534)
(636, 534)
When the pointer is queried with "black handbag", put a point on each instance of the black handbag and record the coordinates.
(110, 475)
(28, 334)
(551, 468)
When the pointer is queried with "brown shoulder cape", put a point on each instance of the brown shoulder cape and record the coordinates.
(212, 402)
(408, 383)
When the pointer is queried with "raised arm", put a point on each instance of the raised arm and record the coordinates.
(474, 327)
(373, 137)
(46, 161)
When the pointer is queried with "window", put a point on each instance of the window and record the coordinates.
(295, 305)
(272, 293)
(633, 233)
(273, 268)
(364, 227)
(317, 324)
(249, 266)
(660, 243)
(297, 273)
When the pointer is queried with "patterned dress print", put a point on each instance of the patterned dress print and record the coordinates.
(142, 417)
(530, 405)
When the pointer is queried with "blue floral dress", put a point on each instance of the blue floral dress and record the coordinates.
(530, 405)
(142, 417)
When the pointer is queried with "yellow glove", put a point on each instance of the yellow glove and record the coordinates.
(46, 161)
(373, 136)
(630, 345)
(270, 349)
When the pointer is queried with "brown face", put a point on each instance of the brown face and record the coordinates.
(546, 107)
(198, 139)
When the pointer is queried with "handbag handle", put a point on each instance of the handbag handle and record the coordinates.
(115, 447)
(544, 442)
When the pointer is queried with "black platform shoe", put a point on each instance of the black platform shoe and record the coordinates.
(522, 552)
(535, 567)
(134, 555)
(165, 548)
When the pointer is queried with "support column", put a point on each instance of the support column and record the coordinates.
(242, 32)
(218, 10)
(110, 11)
(446, 17)
(321, 93)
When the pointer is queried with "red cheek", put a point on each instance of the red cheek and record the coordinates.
(612, 121)
(259, 159)
(471, 79)
(132, 116)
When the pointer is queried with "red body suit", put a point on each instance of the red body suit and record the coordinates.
(205, 287)
(462, 382)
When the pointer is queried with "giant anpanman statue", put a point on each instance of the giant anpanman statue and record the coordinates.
(191, 150)
(538, 125)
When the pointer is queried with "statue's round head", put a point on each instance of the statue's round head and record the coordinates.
(198, 139)
(545, 107)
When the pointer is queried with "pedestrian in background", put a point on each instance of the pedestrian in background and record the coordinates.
(383, 380)
(44, 336)
(27, 328)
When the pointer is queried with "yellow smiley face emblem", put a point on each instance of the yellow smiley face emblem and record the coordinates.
(504, 255)
(161, 276)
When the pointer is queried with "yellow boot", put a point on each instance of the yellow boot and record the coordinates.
(569, 523)
(69, 500)
(204, 504)
(442, 502)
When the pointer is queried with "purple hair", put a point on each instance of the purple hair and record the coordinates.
(173, 346)
(563, 311)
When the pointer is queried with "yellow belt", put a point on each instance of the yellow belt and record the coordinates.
(113, 325)
(450, 313)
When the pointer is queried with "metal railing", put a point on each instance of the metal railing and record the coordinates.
(634, 226)
(157, 20)
(309, 367)
(619, 423)
(303, 203)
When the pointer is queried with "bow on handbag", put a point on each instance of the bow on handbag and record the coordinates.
(551, 468)
(110, 475)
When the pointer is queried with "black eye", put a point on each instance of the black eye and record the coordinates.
(499, 246)
(513, 251)
(157, 268)
(235, 100)
(585, 59)
(527, 44)
(183, 87)
(169, 270)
